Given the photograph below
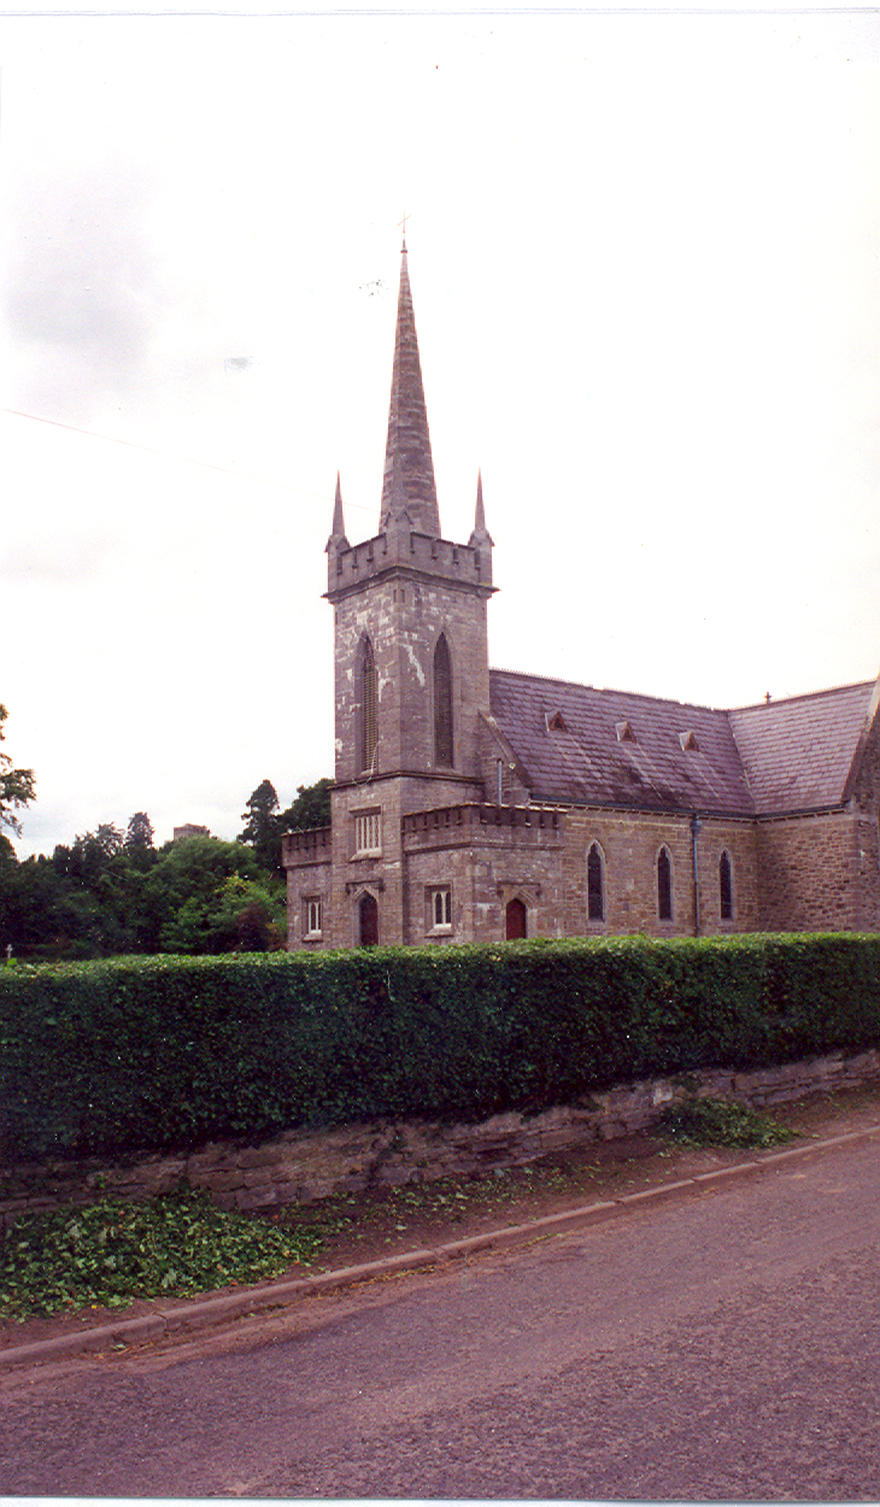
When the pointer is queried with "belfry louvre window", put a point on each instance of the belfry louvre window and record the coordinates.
(442, 702)
(595, 884)
(368, 832)
(664, 885)
(368, 706)
(725, 886)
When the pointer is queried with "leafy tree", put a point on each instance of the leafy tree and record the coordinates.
(241, 915)
(199, 889)
(17, 786)
(91, 854)
(261, 830)
(311, 808)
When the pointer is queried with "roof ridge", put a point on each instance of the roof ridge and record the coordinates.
(831, 690)
(697, 706)
(578, 685)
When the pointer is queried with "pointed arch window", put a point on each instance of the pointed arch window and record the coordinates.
(368, 706)
(664, 885)
(725, 886)
(442, 702)
(595, 884)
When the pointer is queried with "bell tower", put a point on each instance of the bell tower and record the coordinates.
(412, 662)
(411, 653)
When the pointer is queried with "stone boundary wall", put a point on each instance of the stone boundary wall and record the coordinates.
(300, 1166)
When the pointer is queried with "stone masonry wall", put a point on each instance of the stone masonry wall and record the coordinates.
(810, 873)
(301, 1166)
(630, 844)
(487, 855)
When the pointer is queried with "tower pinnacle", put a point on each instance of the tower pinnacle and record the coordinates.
(337, 533)
(409, 468)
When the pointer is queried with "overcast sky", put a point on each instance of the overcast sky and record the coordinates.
(645, 269)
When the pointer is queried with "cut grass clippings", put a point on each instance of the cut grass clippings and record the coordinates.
(112, 1252)
(720, 1122)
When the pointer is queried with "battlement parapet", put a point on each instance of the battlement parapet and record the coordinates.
(401, 548)
(475, 822)
(311, 845)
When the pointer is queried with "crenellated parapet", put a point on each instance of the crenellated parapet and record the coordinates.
(311, 845)
(480, 822)
(404, 549)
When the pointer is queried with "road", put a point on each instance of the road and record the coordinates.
(726, 1346)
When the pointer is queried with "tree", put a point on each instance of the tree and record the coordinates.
(140, 832)
(17, 786)
(92, 852)
(138, 844)
(210, 896)
(310, 809)
(261, 831)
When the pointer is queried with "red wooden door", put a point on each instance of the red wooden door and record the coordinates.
(516, 920)
(369, 920)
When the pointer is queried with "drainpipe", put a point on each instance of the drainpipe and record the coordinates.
(695, 830)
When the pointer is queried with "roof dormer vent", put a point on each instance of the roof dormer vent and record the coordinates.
(555, 722)
(688, 741)
(624, 732)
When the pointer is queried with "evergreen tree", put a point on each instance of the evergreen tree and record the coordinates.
(261, 831)
(140, 832)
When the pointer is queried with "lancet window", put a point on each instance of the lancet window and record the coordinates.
(368, 706)
(442, 702)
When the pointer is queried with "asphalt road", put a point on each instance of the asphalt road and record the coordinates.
(720, 1347)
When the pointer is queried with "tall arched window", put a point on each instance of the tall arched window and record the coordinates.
(595, 884)
(664, 885)
(442, 702)
(368, 699)
(725, 886)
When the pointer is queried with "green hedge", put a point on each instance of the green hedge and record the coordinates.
(154, 1053)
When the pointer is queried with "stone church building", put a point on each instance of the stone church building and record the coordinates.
(472, 804)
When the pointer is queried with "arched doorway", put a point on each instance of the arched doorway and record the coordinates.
(368, 920)
(515, 919)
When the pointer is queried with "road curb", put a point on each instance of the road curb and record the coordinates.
(204, 1313)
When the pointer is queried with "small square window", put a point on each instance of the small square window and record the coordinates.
(440, 908)
(314, 916)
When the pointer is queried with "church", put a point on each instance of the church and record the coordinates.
(478, 805)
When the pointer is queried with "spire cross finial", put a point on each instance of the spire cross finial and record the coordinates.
(403, 224)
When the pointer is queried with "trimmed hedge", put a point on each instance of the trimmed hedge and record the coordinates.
(142, 1054)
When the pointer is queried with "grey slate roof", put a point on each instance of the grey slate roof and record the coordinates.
(616, 748)
(798, 753)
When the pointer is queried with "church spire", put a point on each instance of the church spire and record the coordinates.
(409, 470)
